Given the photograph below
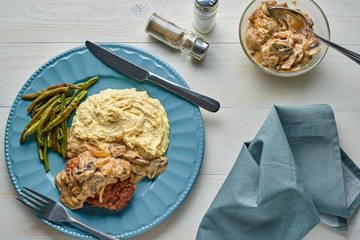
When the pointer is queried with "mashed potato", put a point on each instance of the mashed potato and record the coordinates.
(127, 115)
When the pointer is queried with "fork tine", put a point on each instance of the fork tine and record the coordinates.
(37, 211)
(44, 208)
(35, 198)
(40, 195)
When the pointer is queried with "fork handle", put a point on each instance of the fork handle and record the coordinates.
(350, 54)
(96, 233)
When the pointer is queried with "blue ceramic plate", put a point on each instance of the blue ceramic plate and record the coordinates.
(153, 201)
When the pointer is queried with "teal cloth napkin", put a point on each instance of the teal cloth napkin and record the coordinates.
(291, 176)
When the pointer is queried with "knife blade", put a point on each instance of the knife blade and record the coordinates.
(138, 73)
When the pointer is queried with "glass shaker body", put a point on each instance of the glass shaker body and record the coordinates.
(204, 15)
(176, 37)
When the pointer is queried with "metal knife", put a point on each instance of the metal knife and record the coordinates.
(138, 73)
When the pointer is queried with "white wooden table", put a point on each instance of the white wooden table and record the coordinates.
(32, 32)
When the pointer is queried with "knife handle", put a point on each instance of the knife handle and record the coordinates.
(193, 97)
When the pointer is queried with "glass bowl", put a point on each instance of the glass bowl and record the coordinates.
(321, 27)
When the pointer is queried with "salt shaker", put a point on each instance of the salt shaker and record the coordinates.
(176, 37)
(204, 15)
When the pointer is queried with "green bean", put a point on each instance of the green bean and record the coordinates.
(46, 95)
(50, 111)
(49, 133)
(67, 111)
(36, 108)
(59, 138)
(36, 118)
(59, 134)
(35, 95)
(64, 144)
(40, 151)
(43, 119)
(64, 128)
(57, 142)
(46, 105)
(62, 105)
(49, 139)
(67, 102)
(68, 94)
(88, 83)
(54, 139)
(29, 131)
(45, 156)
(83, 86)
(43, 107)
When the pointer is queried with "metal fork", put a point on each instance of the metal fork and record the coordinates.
(55, 212)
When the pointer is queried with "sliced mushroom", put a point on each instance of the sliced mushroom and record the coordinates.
(314, 48)
(157, 168)
(140, 160)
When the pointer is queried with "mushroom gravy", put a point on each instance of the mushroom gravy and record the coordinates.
(99, 165)
(276, 45)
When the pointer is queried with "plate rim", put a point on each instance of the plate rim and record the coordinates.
(82, 49)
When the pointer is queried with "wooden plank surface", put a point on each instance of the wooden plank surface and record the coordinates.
(124, 21)
(32, 32)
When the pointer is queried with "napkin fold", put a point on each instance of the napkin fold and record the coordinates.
(289, 177)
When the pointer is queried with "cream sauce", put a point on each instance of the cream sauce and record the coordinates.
(100, 164)
(89, 177)
(279, 46)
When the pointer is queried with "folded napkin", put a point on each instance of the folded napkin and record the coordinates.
(291, 176)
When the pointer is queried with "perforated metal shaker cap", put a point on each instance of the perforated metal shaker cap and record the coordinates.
(199, 49)
(206, 5)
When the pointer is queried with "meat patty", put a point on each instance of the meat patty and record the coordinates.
(115, 195)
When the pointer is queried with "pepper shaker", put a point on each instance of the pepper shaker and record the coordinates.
(204, 15)
(176, 37)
